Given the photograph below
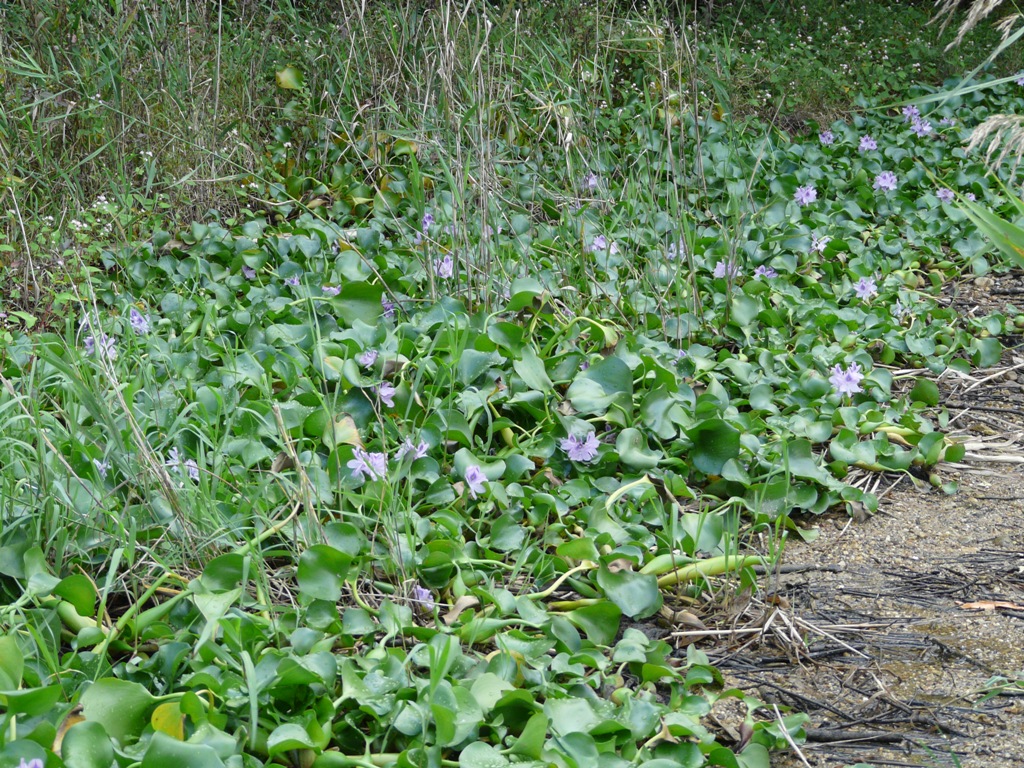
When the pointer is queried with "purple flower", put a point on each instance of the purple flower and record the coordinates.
(444, 267)
(388, 307)
(581, 448)
(1020, 80)
(138, 321)
(947, 121)
(373, 464)
(408, 449)
(367, 358)
(765, 272)
(867, 143)
(331, 290)
(865, 288)
(945, 195)
(826, 137)
(192, 468)
(173, 462)
(584, 364)
(728, 269)
(805, 195)
(599, 243)
(386, 392)
(970, 196)
(475, 479)
(911, 113)
(294, 281)
(101, 467)
(103, 347)
(819, 244)
(899, 311)
(486, 232)
(846, 382)
(921, 127)
(248, 273)
(591, 181)
(424, 597)
(885, 181)
(677, 250)
(428, 219)
(35, 762)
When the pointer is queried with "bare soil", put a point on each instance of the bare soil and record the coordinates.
(902, 634)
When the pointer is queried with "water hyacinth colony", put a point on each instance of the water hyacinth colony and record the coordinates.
(386, 471)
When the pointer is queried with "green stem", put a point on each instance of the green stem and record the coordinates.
(711, 567)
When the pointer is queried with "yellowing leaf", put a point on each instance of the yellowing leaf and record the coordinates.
(289, 78)
(167, 718)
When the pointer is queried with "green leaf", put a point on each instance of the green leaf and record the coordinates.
(481, 755)
(531, 370)
(359, 301)
(286, 737)
(600, 621)
(925, 391)
(165, 752)
(631, 445)
(31, 701)
(12, 664)
(322, 571)
(120, 706)
(606, 382)
(86, 745)
(636, 594)
(714, 443)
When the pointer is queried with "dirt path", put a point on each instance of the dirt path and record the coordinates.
(907, 684)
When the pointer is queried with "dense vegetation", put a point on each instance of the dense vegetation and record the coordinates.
(375, 390)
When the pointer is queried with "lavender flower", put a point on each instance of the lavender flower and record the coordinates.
(408, 449)
(947, 121)
(885, 181)
(677, 250)
(826, 137)
(417, 238)
(945, 195)
(599, 243)
(428, 219)
(35, 762)
(294, 281)
(388, 307)
(1020, 80)
(138, 321)
(103, 347)
(765, 272)
(728, 269)
(970, 196)
(173, 462)
(248, 273)
(911, 113)
(581, 448)
(819, 244)
(424, 597)
(331, 290)
(846, 382)
(921, 127)
(444, 267)
(475, 479)
(591, 181)
(867, 144)
(367, 358)
(386, 392)
(805, 195)
(865, 288)
(375, 465)
(899, 311)
(192, 468)
(102, 466)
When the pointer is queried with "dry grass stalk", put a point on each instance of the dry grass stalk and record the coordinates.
(979, 10)
(1001, 136)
